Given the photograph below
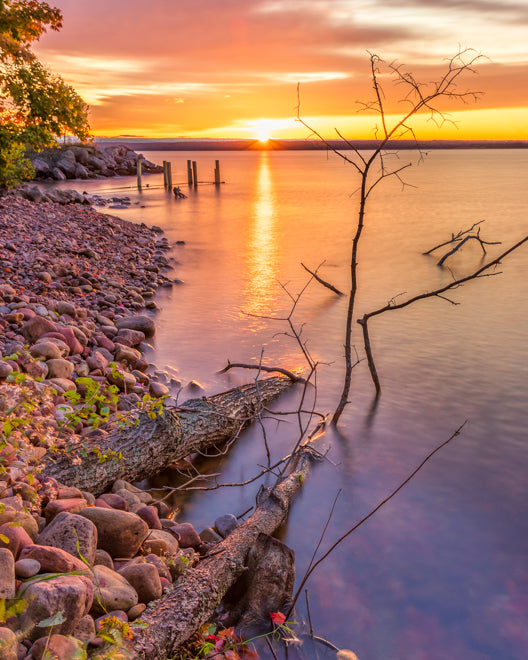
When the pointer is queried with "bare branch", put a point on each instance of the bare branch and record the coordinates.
(321, 281)
(262, 367)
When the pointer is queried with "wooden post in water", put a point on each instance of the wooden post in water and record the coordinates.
(195, 173)
(169, 175)
(189, 173)
(217, 172)
(165, 174)
(138, 170)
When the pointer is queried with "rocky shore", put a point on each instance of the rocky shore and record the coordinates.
(76, 305)
(89, 162)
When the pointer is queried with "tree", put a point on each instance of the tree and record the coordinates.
(374, 168)
(36, 106)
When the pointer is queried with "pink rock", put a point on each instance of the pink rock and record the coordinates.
(142, 323)
(145, 580)
(54, 560)
(150, 515)
(57, 646)
(72, 505)
(105, 342)
(7, 574)
(36, 327)
(72, 533)
(120, 533)
(135, 337)
(17, 537)
(114, 501)
(59, 368)
(96, 361)
(71, 594)
(188, 535)
(75, 345)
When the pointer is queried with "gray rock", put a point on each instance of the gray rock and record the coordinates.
(114, 591)
(226, 524)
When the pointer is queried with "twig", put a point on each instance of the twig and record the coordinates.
(323, 282)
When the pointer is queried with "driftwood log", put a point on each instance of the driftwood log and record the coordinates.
(149, 447)
(172, 619)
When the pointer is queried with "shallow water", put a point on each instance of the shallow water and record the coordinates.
(441, 571)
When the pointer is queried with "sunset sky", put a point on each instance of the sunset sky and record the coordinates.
(230, 68)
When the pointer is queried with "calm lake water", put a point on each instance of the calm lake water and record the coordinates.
(442, 570)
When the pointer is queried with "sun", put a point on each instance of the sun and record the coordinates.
(263, 129)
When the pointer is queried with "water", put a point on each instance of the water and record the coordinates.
(441, 570)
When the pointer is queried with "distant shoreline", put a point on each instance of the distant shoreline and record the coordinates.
(304, 145)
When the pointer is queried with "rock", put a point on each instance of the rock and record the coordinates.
(71, 505)
(63, 384)
(150, 515)
(70, 594)
(102, 558)
(119, 533)
(54, 560)
(58, 647)
(226, 524)
(7, 574)
(161, 566)
(45, 349)
(36, 327)
(5, 370)
(158, 389)
(346, 654)
(114, 501)
(145, 580)
(188, 535)
(135, 337)
(27, 568)
(114, 591)
(58, 174)
(142, 323)
(70, 339)
(132, 499)
(17, 538)
(85, 629)
(136, 611)
(8, 644)
(126, 354)
(208, 535)
(59, 368)
(72, 533)
(9, 514)
(156, 536)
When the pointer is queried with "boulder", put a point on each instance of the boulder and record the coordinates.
(145, 580)
(70, 594)
(54, 560)
(70, 505)
(58, 647)
(113, 590)
(8, 644)
(9, 514)
(17, 538)
(59, 368)
(36, 327)
(142, 323)
(72, 533)
(7, 574)
(120, 533)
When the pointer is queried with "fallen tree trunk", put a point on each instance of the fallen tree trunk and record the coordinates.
(172, 619)
(138, 452)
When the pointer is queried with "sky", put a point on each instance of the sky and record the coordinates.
(231, 68)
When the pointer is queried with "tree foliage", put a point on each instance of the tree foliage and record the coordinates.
(36, 106)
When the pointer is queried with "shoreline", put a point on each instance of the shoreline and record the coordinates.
(76, 307)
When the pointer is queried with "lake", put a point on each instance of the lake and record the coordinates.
(441, 571)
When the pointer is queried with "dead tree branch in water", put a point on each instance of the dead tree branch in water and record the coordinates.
(321, 281)
(375, 167)
(262, 367)
(460, 239)
(481, 272)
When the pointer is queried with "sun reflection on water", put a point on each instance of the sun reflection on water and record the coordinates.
(261, 248)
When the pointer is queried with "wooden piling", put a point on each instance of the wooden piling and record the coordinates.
(138, 169)
(169, 175)
(195, 173)
(164, 173)
(189, 173)
(217, 173)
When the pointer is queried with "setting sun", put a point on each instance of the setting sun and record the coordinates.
(263, 129)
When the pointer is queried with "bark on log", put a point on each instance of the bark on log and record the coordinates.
(172, 619)
(155, 443)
